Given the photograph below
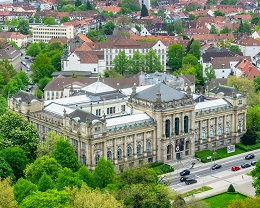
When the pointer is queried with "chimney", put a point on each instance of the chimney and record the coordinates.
(244, 60)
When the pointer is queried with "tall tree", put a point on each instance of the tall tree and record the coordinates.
(234, 48)
(64, 153)
(256, 178)
(9, 67)
(7, 199)
(249, 138)
(195, 49)
(152, 62)
(23, 188)
(64, 19)
(169, 28)
(45, 183)
(209, 74)
(23, 26)
(104, 173)
(48, 199)
(49, 21)
(78, 3)
(225, 30)
(5, 169)
(66, 178)
(41, 165)
(253, 118)
(178, 26)
(144, 11)
(175, 54)
(19, 132)
(33, 49)
(121, 63)
(136, 63)
(85, 175)
(109, 28)
(16, 158)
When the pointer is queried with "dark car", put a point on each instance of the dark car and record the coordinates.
(184, 178)
(185, 172)
(216, 166)
(253, 163)
(249, 156)
(190, 181)
(245, 165)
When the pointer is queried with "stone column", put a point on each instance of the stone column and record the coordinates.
(115, 151)
(105, 150)
(173, 125)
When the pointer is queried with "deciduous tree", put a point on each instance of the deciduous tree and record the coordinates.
(234, 48)
(23, 188)
(33, 49)
(85, 175)
(136, 63)
(209, 74)
(6, 194)
(66, 178)
(45, 183)
(195, 49)
(121, 63)
(109, 28)
(64, 153)
(48, 20)
(249, 138)
(178, 26)
(175, 54)
(23, 26)
(152, 62)
(5, 169)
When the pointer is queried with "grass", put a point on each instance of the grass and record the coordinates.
(221, 200)
(160, 168)
(196, 191)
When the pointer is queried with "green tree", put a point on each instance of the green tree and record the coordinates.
(179, 202)
(64, 153)
(4, 76)
(31, 19)
(112, 74)
(56, 60)
(3, 105)
(89, 6)
(66, 178)
(218, 13)
(178, 26)
(169, 28)
(48, 20)
(104, 173)
(14, 45)
(231, 189)
(41, 67)
(131, 4)
(223, 43)
(5, 169)
(136, 63)
(33, 49)
(16, 158)
(13, 22)
(101, 39)
(234, 48)
(256, 178)
(244, 203)
(121, 63)
(48, 199)
(138, 27)
(93, 34)
(209, 74)
(43, 82)
(191, 17)
(255, 20)
(143, 175)
(6, 194)
(195, 49)
(175, 54)
(38, 93)
(152, 62)
(85, 175)
(225, 30)
(144, 11)
(78, 3)
(84, 197)
(253, 118)
(249, 138)
(41, 165)
(109, 28)
(213, 30)
(23, 26)
(9, 67)
(19, 132)
(64, 19)
(23, 188)
(37, 18)
(45, 183)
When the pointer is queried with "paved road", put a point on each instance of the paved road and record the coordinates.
(218, 179)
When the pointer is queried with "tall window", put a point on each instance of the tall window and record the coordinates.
(211, 133)
(203, 134)
(97, 159)
(239, 127)
(167, 128)
(219, 130)
(119, 154)
(109, 155)
(227, 128)
(129, 151)
(177, 126)
(186, 124)
(169, 152)
(139, 149)
(84, 160)
(148, 147)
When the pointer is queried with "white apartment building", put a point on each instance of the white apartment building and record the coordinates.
(45, 33)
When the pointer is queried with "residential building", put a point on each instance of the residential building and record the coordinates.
(12, 54)
(246, 69)
(45, 33)
(17, 37)
(162, 123)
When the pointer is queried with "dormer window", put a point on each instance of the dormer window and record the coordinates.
(240, 102)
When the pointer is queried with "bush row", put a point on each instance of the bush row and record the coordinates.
(248, 147)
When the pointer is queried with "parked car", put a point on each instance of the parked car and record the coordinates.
(249, 156)
(185, 172)
(235, 168)
(245, 165)
(216, 166)
(253, 163)
(183, 179)
(24, 63)
(190, 181)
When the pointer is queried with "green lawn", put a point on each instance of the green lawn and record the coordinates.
(221, 200)
(196, 191)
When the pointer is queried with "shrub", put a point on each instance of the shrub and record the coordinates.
(249, 137)
(231, 189)
(155, 164)
(248, 147)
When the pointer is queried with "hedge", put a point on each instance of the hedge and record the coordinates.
(161, 168)
(248, 147)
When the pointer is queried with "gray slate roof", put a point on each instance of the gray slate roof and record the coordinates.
(167, 93)
(82, 115)
(224, 89)
(24, 96)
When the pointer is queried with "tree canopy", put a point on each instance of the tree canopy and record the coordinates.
(7, 199)
(175, 54)
(121, 63)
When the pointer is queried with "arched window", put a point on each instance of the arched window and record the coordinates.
(167, 128)
(109, 155)
(186, 124)
(169, 152)
(139, 149)
(97, 159)
(84, 160)
(177, 126)
(129, 151)
(211, 133)
(148, 147)
(119, 154)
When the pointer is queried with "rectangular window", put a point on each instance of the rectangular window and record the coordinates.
(97, 129)
(213, 144)
(122, 108)
(68, 139)
(205, 146)
(221, 143)
(98, 112)
(111, 110)
(75, 143)
(186, 124)
(177, 126)
(239, 102)
(83, 145)
(150, 160)
(197, 148)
